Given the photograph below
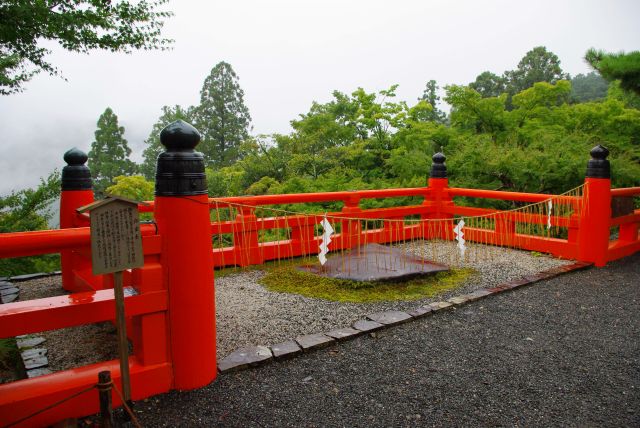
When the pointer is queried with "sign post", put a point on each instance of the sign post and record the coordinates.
(116, 245)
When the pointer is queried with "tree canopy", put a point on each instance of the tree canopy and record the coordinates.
(77, 26)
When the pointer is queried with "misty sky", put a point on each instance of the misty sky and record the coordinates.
(290, 53)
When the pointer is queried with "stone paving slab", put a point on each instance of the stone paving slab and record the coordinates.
(309, 342)
(421, 311)
(390, 317)
(30, 342)
(367, 325)
(34, 363)
(343, 333)
(245, 357)
(439, 306)
(30, 276)
(284, 350)
(38, 372)
(34, 353)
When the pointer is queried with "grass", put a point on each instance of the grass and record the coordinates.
(9, 356)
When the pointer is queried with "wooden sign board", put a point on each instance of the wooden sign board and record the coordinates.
(116, 243)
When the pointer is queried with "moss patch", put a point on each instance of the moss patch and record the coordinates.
(288, 279)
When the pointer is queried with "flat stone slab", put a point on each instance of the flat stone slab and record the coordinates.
(34, 353)
(34, 363)
(314, 341)
(244, 358)
(367, 325)
(8, 298)
(343, 333)
(459, 300)
(438, 306)
(30, 276)
(478, 294)
(421, 311)
(285, 350)
(9, 290)
(390, 317)
(38, 372)
(5, 284)
(375, 262)
(30, 342)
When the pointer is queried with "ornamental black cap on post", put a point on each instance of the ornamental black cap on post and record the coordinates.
(598, 166)
(180, 169)
(76, 175)
(438, 167)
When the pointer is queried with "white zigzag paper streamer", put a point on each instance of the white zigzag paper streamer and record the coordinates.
(459, 234)
(550, 206)
(327, 231)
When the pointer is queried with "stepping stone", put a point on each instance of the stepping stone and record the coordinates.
(439, 306)
(313, 341)
(285, 350)
(8, 298)
(390, 317)
(38, 372)
(421, 311)
(245, 357)
(9, 290)
(29, 276)
(34, 363)
(478, 294)
(343, 333)
(458, 300)
(5, 284)
(30, 342)
(367, 326)
(34, 353)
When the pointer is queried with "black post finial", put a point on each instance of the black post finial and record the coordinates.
(438, 167)
(180, 169)
(598, 166)
(76, 175)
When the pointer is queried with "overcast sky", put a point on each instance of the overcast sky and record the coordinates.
(290, 53)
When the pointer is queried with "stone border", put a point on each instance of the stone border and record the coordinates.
(30, 276)
(254, 356)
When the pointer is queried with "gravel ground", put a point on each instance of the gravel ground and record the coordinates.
(563, 352)
(74, 346)
(248, 314)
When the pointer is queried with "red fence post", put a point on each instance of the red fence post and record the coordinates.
(350, 230)
(245, 238)
(182, 215)
(438, 199)
(593, 235)
(76, 191)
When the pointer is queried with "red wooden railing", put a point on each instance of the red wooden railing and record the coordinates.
(170, 304)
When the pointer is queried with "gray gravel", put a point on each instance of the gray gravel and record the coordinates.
(563, 352)
(248, 314)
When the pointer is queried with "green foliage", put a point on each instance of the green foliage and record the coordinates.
(287, 278)
(75, 25)
(488, 84)
(109, 154)
(222, 117)
(588, 87)
(538, 65)
(134, 187)
(154, 148)
(620, 66)
(27, 210)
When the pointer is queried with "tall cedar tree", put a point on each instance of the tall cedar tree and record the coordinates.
(222, 117)
(430, 95)
(154, 148)
(109, 154)
(75, 25)
(620, 66)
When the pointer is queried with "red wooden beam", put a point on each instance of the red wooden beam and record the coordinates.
(52, 313)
